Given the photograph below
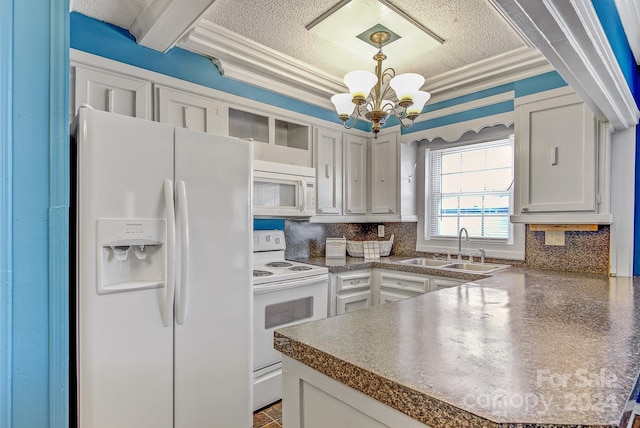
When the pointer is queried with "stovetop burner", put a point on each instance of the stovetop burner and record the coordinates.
(257, 272)
(300, 268)
(278, 264)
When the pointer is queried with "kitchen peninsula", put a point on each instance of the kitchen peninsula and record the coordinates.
(523, 348)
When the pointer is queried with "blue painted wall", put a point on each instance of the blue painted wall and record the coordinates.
(38, 61)
(610, 20)
(268, 224)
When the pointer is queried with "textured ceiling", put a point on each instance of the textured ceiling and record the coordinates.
(121, 13)
(473, 30)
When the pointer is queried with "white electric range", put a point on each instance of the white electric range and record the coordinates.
(284, 293)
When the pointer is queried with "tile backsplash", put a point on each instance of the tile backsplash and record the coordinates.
(583, 251)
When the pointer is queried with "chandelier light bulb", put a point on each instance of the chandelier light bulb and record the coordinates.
(360, 83)
(419, 100)
(406, 86)
(343, 104)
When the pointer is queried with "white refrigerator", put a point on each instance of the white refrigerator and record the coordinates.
(163, 275)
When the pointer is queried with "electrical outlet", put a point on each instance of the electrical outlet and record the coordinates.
(554, 237)
(381, 231)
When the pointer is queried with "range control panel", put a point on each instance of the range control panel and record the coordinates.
(268, 240)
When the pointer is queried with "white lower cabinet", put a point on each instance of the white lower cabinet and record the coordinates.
(351, 302)
(350, 291)
(314, 400)
(360, 289)
(387, 296)
(395, 285)
(440, 283)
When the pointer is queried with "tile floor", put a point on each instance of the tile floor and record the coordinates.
(271, 417)
(268, 417)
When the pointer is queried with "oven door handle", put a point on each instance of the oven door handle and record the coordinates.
(290, 283)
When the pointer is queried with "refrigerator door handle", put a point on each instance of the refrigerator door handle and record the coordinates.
(170, 270)
(183, 285)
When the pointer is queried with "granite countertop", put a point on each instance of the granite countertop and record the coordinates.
(523, 348)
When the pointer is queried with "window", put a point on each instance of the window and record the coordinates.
(470, 186)
(469, 183)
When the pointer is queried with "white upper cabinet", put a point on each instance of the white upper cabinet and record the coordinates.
(327, 155)
(275, 139)
(557, 168)
(384, 155)
(378, 178)
(355, 175)
(191, 111)
(112, 92)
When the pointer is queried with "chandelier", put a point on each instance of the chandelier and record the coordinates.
(367, 97)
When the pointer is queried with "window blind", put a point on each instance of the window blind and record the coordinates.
(470, 186)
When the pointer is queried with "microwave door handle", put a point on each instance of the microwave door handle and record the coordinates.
(302, 195)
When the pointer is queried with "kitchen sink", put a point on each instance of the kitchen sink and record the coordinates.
(475, 267)
(426, 262)
(454, 265)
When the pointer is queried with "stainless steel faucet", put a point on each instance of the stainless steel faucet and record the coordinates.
(466, 234)
(482, 254)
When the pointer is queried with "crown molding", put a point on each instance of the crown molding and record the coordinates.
(245, 60)
(248, 61)
(629, 11)
(570, 36)
(505, 68)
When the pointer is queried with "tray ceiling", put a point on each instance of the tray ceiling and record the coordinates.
(271, 40)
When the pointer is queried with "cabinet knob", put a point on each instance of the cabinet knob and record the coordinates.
(320, 210)
(349, 211)
(524, 209)
(390, 210)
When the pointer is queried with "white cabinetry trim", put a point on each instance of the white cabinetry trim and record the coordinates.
(454, 131)
(570, 36)
(163, 22)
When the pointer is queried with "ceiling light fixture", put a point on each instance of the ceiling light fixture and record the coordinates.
(367, 97)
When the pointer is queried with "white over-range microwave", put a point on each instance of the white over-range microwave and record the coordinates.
(283, 190)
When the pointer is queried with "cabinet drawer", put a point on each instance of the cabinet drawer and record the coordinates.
(440, 283)
(402, 282)
(351, 302)
(350, 281)
(387, 296)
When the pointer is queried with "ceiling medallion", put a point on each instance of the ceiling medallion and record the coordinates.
(367, 97)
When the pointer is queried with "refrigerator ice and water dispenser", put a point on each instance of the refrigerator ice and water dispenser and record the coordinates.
(131, 254)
